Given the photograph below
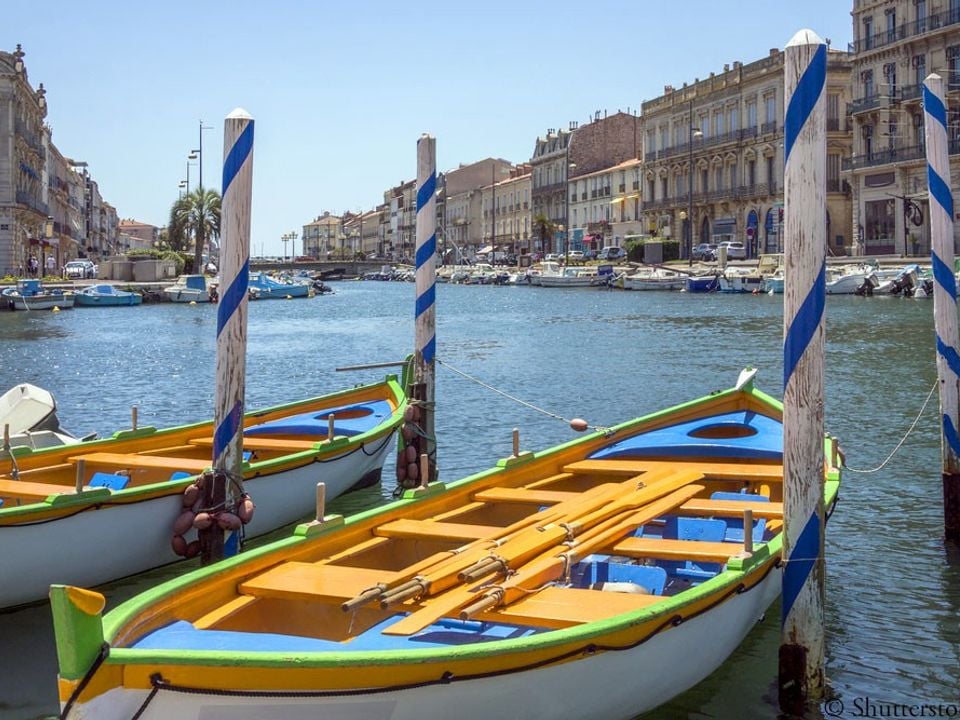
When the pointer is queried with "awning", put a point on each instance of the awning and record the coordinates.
(485, 250)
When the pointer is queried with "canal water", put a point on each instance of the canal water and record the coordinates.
(893, 604)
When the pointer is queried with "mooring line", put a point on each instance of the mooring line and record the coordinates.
(902, 440)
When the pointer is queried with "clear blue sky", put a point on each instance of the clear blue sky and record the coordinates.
(341, 91)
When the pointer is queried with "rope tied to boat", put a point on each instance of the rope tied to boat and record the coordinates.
(543, 411)
(910, 430)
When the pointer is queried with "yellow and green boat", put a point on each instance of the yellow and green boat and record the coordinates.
(596, 579)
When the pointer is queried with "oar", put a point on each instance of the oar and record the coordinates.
(527, 544)
(471, 552)
(550, 567)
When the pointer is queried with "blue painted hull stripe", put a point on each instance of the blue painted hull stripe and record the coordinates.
(425, 191)
(425, 301)
(227, 430)
(934, 107)
(425, 251)
(805, 97)
(803, 555)
(238, 154)
(944, 276)
(430, 350)
(804, 326)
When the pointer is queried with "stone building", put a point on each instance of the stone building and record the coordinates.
(715, 149)
(605, 205)
(461, 206)
(398, 224)
(135, 235)
(322, 235)
(361, 231)
(549, 169)
(505, 207)
(897, 43)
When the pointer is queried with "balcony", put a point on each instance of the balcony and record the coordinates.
(906, 30)
(885, 157)
(911, 92)
(747, 133)
(768, 127)
(867, 102)
(24, 198)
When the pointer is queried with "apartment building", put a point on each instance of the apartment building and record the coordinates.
(605, 206)
(507, 217)
(135, 235)
(464, 229)
(549, 169)
(322, 235)
(362, 231)
(713, 157)
(897, 43)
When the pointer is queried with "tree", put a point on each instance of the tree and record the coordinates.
(195, 215)
(544, 227)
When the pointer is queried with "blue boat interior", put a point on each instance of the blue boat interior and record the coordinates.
(183, 635)
(196, 282)
(349, 420)
(741, 434)
(108, 480)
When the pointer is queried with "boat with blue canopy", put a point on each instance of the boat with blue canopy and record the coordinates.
(105, 295)
(30, 294)
(264, 287)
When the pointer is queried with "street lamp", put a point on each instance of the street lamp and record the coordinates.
(199, 151)
(571, 166)
(182, 184)
(694, 132)
(191, 156)
(290, 237)
(48, 234)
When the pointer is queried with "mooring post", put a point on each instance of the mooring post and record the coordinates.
(944, 295)
(801, 644)
(426, 278)
(231, 325)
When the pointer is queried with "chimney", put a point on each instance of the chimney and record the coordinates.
(737, 64)
(774, 52)
(667, 89)
(726, 67)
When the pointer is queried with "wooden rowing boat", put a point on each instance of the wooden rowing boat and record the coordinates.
(596, 579)
(97, 511)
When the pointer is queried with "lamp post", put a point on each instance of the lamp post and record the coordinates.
(290, 237)
(694, 132)
(48, 234)
(191, 156)
(182, 184)
(198, 153)
(571, 166)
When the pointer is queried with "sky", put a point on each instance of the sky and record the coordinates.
(341, 91)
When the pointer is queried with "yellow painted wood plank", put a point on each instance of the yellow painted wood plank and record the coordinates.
(732, 508)
(128, 460)
(34, 491)
(428, 529)
(642, 547)
(264, 444)
(523, 495)
(222, 612)
(308, 581)
(710, 470)
(556, 607)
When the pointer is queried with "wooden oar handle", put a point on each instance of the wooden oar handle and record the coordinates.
(487, 602)
(363, 598)
(481, 568)
(408, 590)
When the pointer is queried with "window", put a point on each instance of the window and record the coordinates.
(866, 79)
(890, 78)
(718, 177)
(734, 118)
(879, 225)
(664, 189)
(921, 15)
(771, 102)
(833, 109)
(919, 69)
(833, 172)
(867, 33)
(651, 141)
(891, 24)
(892, 129)
(734, 182)
(868, 140)
(771, 179)
(679, 186)
(953, 61)
(918, 136)
(751, 114)
(718, 124)
(664, 137)
(704, 176)
(651, 188)
(751, 172)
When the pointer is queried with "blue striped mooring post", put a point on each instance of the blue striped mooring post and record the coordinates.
(426, 278)
(231, 326)
(944, 295)
(805, 159)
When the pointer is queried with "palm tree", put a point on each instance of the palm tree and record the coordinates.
(177, 231)
(196, 214)
(544, 227)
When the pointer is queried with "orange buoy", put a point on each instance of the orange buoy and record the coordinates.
(579, 424)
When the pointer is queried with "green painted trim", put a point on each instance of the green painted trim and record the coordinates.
(525, 456)
(314, 529)
(133, 434)
(419, 493)
(79, 634)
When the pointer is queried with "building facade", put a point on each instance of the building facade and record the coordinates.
(897, 43)
(549, 172)
(361, 231)
(135, 235)
(506, 213)
(713, 157)
(322, 235)
(605, 206)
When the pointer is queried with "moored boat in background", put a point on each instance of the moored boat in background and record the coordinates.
(105, 295)
(187, 289)
(29, 294)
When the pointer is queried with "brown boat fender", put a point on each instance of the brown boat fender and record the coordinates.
(408, 413)
(184, 522)
(413, 472)
(411, 453)
(229, 521)
(409, 432)
(246, 509)
(190, 495)
(179, 545)
(203, 520)
(193, 549)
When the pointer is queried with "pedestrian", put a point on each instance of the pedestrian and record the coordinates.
(51, 264)
(32, 265)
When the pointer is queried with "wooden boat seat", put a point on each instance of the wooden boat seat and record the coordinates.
(32, 491)
(697, 550)
(524, 495)
(309, 581)
(732, 508)
(559, 607)
(433, 530)
(131, 460)
(259, 443)
(710, 470)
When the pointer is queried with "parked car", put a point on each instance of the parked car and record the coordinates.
(80, 269)
(705, 251)
(735, 250)
(574, 256)
(612, 253)
(552, 257)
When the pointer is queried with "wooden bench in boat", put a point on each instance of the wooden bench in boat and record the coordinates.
(524, 495)
(263, 443)
(33, 491)
(557, 607)
(433, 530)
(131, 460)
(732, 508)
(310, 581)
(710, 470)
(697, 550)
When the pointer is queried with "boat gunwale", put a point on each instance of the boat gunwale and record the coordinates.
(119, 621)
(60, 504)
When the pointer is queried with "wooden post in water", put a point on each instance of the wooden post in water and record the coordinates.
(801, 645)
(944, 295)
(426, 278)
(231, 326)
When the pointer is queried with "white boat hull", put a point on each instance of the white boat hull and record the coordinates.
(40, 302)
(653, 284)
(846, 284)
(113, 541)
(182, 295)
(566, 282)
(604, 685)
